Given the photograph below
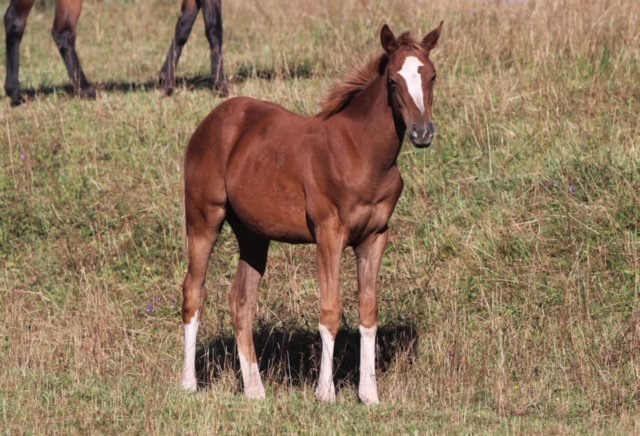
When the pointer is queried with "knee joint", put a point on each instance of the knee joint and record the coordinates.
(331, 319)
(193, 294)
(183, 30)
(14, 25)
(64, 38)
(181, 38)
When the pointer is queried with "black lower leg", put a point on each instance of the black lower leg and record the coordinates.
(14, 29)
(66, 41)
(183, 30)
(212, 11)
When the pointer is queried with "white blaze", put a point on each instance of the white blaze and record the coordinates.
(251, 378)
(189, 381)
(367, 388)
(326, 390)
(413, 79)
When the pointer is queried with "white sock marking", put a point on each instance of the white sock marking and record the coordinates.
(251, 380)
(325, 390)
(411, 75)
(189, 381)
(367, 388)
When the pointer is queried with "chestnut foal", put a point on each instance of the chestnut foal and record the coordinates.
(64, 34)
(330, 179)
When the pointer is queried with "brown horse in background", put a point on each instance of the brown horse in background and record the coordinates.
(330, 179)
(64, 34)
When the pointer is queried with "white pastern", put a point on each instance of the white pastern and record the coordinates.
(189, 382)
(326, 391)
(368, 388)
(413, 79)
(251, 380)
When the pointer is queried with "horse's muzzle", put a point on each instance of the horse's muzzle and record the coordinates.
(422, 135)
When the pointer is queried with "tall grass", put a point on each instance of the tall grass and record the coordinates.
(510, 289)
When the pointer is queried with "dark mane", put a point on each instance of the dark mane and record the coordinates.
(344, 92)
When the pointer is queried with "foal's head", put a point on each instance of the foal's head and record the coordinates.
(411, 78)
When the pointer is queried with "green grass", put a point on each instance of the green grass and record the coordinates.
(514, 265)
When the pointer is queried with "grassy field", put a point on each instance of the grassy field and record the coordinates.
(510, 292)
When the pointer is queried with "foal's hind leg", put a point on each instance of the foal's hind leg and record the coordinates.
(188, 16)
(64, 34)
(15, 21)
(212, 12)
(201, 237)
(243, 299)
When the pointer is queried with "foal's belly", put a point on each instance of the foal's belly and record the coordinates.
(272, 206)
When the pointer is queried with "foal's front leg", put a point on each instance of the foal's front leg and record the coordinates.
(330, 246)
(369, 255)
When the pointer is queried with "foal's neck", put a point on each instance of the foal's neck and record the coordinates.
(370, 120)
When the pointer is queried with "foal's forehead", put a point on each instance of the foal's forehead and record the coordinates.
(412, 61)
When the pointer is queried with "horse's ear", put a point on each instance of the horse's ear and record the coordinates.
(387, 39)
(431, 40)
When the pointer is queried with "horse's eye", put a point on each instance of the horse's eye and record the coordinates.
(433, 80)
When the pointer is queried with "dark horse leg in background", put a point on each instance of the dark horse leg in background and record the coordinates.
(212, 11)
(15, 20)
(64, 34)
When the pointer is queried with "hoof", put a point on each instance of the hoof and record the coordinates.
(166, 84)
(168, 90)
(326, 394)
(88, 93)
(189, 384)
(15, 97)
(221, 88)
(370, 399)
(255, 393)
(368, 391)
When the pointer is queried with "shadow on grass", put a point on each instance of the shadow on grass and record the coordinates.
(203, 81)
(293, 356)
(191, 83)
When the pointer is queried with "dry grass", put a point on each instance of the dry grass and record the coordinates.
(510, 291)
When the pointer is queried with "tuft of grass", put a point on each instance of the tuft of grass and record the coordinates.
(509, 293)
